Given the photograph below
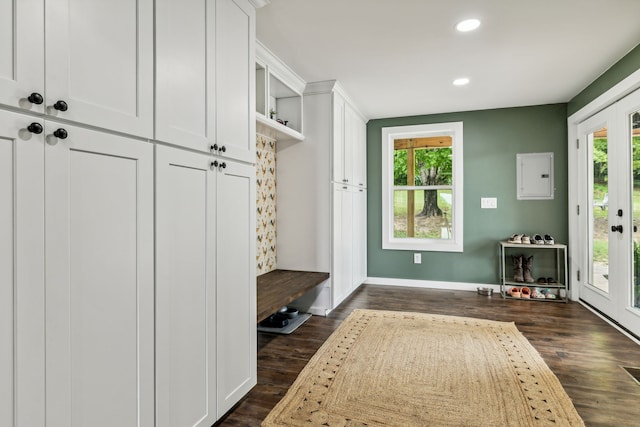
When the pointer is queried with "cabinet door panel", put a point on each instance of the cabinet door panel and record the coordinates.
(236, 283)
(99, 60)
(342, 244)
(21, 52)
(185, 92)
(185, 289)
(235, 78)
(21, 273)
(338, 139)
(99, 268)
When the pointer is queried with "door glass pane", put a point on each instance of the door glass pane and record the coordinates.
(600, 224)
(635, 152)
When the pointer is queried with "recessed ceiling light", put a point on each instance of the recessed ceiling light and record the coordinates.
(461, 81)
(467, 25)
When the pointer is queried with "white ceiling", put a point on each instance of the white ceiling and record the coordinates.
(399, 57)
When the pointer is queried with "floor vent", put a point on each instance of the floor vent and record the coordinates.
(634, 372)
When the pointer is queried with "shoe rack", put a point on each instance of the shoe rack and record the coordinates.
(549, 261)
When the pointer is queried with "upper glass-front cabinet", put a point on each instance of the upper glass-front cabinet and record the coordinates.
(278, 97)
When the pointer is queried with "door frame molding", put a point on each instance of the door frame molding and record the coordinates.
(577, 255)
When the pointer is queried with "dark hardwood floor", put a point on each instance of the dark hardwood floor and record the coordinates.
(584, 352)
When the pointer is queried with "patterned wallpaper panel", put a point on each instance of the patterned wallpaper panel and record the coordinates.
(266, 204)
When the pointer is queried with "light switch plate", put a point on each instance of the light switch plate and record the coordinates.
(489, 202)
(417, 258)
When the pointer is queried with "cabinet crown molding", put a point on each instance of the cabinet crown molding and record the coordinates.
(279, 68)
(333, 86)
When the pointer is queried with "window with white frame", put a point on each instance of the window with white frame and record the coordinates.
(422, 187)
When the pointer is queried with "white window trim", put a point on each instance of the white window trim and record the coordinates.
(389, 134)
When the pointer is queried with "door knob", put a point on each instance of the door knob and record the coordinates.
(60, 133)
(617, 228)
(35, 128)
(35, 98)
(61, 106)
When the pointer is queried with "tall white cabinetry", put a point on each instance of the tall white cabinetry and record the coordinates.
(97, 73)
(205, 76)
(127, 284)
(99, 279)
(82, 223)
(21, 272)
(322, 195)
(205, 277)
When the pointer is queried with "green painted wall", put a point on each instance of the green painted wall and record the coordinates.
(614, 75)
(491, 140)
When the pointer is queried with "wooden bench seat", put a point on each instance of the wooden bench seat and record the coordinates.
(280, 287)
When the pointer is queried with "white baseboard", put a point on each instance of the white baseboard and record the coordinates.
(430, 284)
(319, 311)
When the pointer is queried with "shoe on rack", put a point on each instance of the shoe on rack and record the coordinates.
(548, 240)
(525, 292)
(542, 281)
(525, 239)
(515, 238)
(537, 294)
(515, 292)
(537, 239)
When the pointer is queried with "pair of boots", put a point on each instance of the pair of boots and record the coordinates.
(522, 273)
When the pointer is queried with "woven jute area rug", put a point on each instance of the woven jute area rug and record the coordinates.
(384, 368)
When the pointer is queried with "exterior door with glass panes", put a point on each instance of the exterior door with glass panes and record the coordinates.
(610, 142)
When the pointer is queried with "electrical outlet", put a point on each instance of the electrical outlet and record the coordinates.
(417, 258)
(488, 202)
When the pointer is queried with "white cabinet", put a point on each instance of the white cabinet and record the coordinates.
(98, 58)
(235, 79)
(22, 399)
(205, 76)
(185, 289)
(359, 236)
(349, 144)
(349, 255)
(99, 275)
(21, 52)
(185, 73)
(322, 220)
(205, 286)
(279, 103)
(343, 234)
(236, 282)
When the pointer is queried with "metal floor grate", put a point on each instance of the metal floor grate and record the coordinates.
(634, 372)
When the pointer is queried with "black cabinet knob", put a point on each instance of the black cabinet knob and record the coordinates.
(223, 165)
(223, 148)
(61, 106)
(214, 163)
(60, 133)
(214, 147)
(35, 98)
(35, 128)
(617, 228)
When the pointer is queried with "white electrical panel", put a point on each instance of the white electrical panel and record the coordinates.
(534, 176)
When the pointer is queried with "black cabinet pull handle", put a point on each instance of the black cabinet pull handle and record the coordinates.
(35, 98)
(35, 128)
(60, 133)
(61, 106)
